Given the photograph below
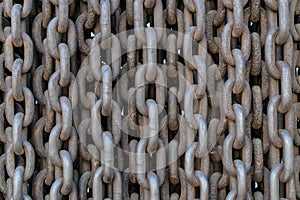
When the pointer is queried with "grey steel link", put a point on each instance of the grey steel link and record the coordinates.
(149, 99)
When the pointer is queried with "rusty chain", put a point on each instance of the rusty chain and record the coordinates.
(150, 99)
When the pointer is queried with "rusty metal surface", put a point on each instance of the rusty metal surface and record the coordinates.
(149, 99)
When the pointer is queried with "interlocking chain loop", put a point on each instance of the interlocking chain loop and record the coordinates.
(149, 99)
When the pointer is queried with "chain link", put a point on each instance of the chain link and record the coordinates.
(149, 99)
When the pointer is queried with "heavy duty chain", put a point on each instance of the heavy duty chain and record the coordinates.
(150, 99)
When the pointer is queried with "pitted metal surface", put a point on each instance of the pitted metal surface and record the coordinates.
(149, 99)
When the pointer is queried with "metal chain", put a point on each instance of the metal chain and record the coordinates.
(149, 99)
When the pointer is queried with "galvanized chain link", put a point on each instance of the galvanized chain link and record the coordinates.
(149, 99)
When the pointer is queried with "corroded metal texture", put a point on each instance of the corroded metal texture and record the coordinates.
(149, 99)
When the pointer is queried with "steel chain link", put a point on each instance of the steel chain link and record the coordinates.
(150, 99)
